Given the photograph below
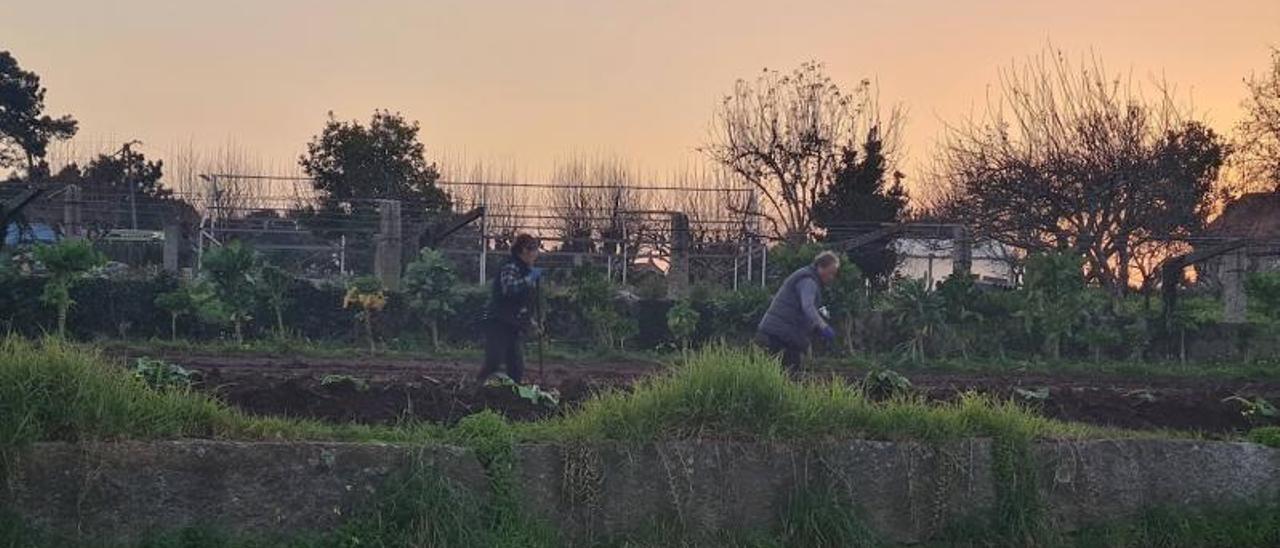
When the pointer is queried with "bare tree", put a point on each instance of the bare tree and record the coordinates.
(785, 135)
(1073, 157)
(1259, 132)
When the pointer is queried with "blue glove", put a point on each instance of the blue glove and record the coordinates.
(535, 274)
(827, 333)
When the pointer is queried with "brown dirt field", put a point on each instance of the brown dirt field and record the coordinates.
(388, 390)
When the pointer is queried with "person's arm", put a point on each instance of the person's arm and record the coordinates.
(808, 289)
(512, 284)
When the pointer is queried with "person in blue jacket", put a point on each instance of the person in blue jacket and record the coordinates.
(508, 313)
(795, 315)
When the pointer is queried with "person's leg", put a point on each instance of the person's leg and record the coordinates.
(791, 357)
(515, 356)
(494, 349)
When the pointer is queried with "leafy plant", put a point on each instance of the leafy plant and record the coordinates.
(885, 383)
(530, 392)
(360, 385)
(274, 282)
(191, 299)
(233, 270)
(592, 295)
(1257, 409)
(1053, 298)
(432, 288)
(845, 298)
(922, 313)
(962, 321)
(1263, 290)
(366, 296)
(66, 262)
(1032, 395)
(682, 320)
(162, 375)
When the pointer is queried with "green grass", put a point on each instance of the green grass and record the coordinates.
(743, 394)
(1266, 435)
(56, 391)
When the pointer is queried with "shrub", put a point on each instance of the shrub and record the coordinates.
(432, 290)
(273, 284)
(67, 263)
(1263, 289)
(233, 270)
(682, 320)
(1266, 435)
(1053, 298)
(918, 311)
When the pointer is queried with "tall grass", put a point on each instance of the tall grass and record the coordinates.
(743, 394)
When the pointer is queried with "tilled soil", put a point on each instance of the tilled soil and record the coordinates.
(388, 391)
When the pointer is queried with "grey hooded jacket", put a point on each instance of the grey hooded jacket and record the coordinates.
(793, 314)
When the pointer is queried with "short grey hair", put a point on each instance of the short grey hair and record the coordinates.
(825, 259)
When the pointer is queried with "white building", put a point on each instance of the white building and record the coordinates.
(931, 260)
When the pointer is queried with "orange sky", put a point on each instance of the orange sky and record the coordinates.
(529, 81)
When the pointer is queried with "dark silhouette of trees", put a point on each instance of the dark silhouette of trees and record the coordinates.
(860, 199)
(25, 129)
(1259, 144)
(1072, 157)
(786, 135)
(351, 164)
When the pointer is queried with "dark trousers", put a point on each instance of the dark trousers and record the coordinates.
(503, 343)
(789, 351)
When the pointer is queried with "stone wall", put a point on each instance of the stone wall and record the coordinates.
(906, 491)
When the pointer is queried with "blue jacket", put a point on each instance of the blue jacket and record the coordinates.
(793, 313)
(511, 295)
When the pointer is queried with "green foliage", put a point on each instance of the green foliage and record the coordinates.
(920, 312)
(162, 375)
(787, 258)
(730, 315)
(432, 289)
(1255, 409)
(1263, 290)
(233, 270)
(821, 518)
(273, 283)
(1237, 525)
(883, 384)
(195, 298)
(860, 193)
(1266, 435)
(1053, 298)
(66, 262)
(845, 299)
(530, 392)
(682, 321)
(739, 394)
(592, 295)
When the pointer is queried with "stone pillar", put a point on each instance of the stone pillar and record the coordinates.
(678, 271)
(1234, 301)
(72, 221)
(961, 252)
(386, 262)
(172, 245)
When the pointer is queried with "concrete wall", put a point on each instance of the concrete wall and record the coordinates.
(906, 491)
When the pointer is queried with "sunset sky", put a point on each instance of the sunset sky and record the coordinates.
(528, 82)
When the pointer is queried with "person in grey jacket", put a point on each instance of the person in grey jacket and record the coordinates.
(794, 314)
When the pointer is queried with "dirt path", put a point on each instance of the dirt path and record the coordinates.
(383, 390)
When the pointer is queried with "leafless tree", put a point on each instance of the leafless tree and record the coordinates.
(1073, 157)
(594, 204)
(1259, 132)
(785, 134)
